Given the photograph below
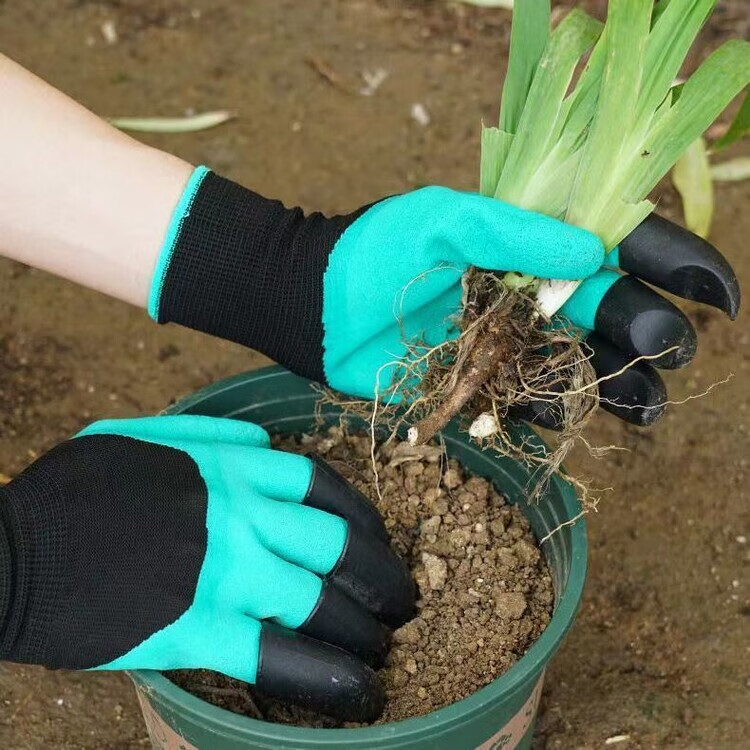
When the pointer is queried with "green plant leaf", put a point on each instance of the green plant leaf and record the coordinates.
(620, 219)
(172, 124)
(528, 39)
(495, 147)
(692, 178)
(544, 108)
(668, 44)
(738, 129)
(659, 8)
(549, 190)
(592, 156)
(704, 97)
(582, 102)
(627, 31)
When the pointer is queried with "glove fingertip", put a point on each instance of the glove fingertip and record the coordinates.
(546, 247)
(583, 252)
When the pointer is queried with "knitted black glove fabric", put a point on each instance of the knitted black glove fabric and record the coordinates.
(93, 562)
(247, 269)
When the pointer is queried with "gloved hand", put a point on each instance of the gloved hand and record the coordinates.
(187, 542)
(333, 299)
(627, 319)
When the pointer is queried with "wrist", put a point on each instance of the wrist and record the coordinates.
(151, 181)
(166, 253)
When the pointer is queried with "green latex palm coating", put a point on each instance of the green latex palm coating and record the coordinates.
(401, 262)
(263, 552)
(613, 258)
(581, 308)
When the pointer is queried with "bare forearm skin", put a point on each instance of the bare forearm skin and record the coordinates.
(78, 198)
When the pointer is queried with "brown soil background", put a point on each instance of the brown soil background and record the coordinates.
(660, 650)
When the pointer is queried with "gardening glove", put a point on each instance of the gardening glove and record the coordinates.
(187, 542)
(334, 299)
(627, 319)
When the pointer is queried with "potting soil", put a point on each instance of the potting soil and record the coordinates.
(485, 592)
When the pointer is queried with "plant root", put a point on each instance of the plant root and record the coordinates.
(505, 355)
(487, 357)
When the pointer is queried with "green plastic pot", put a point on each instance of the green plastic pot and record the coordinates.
(500, 715)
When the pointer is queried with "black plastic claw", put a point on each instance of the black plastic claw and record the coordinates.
(641, 322)
(339, 621)
(682, 263)
(637, 395)
(329, 491)
(371, 574)
(313, 675)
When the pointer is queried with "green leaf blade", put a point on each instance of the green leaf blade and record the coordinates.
(705, 95)
(739, 128)
(496, 145)
(627, 30)
(539, 124)
(583, 100)
(529, 37)
(668, 44)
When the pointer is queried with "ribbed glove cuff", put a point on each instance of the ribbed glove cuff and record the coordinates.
(245, 268)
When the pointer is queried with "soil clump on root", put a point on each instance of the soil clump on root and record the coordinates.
(507, 355)
(485, 592)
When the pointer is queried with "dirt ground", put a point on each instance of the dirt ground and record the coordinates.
(660, 652)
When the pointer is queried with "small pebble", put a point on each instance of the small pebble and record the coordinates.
(437, 570)
(420, 115)
(109, 32)
(408, 633)
(451, 479)
(509, 605)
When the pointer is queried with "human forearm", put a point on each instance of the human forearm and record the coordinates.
(78, 198)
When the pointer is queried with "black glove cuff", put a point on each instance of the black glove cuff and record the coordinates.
(249, 270)
(6, 572)
(15, 557)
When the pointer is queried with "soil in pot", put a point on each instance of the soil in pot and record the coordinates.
(486, 593)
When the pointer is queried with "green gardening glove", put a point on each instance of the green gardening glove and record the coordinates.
(395, 274)
(187, 542)
(333, 299)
